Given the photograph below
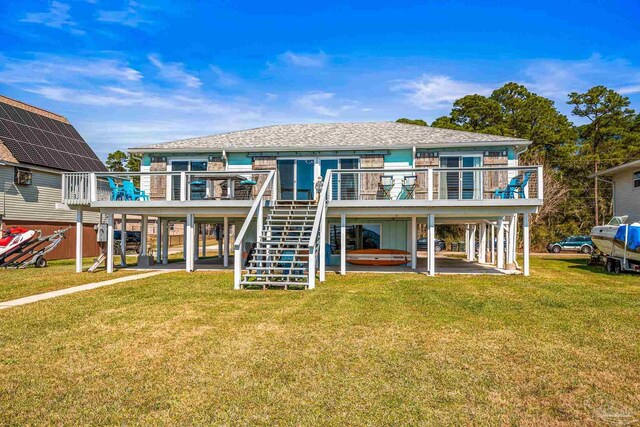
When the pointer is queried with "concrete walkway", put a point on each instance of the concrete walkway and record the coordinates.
(73, 290)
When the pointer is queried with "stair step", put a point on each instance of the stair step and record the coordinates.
(277, 262)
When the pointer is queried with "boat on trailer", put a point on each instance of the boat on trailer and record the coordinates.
(619, 243)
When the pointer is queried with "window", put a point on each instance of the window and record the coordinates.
(22, 176)
(197, 190)
(636, 179)
(361, 236)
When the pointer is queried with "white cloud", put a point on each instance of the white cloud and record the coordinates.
(223, 78)
(434, 92)
(305, 60)
(323, 103)
(129, 16)
(555, 78)
(57, 17)
(46, 68)
(175, 72)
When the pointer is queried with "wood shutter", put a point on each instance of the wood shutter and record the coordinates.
(497, 179)
(262, 163)
(424, 160)
(370, 189)
(158, 182)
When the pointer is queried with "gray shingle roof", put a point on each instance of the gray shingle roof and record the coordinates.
(336, 136)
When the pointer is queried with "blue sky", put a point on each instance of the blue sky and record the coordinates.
(128, 73)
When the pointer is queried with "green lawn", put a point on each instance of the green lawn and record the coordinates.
(57, 275)
(560, 347)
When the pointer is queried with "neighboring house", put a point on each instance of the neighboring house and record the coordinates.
(381, 180)
(626, 189)
(36, 147)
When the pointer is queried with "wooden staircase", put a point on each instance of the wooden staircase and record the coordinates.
(281, 255)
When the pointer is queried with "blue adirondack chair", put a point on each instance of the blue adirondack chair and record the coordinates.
(515, 186)
(117, 191)
(132, 193)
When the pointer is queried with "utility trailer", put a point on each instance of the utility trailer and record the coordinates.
(33, 251)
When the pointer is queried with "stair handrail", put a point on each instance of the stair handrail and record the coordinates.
(321, 204)
(237, 244)
(313, 238)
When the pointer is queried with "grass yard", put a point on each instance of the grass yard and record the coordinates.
(558, 348)
(57, 275)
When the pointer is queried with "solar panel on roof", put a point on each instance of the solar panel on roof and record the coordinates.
(43, 141)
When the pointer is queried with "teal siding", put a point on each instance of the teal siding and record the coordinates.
(394, 235)
(238, 159)
(400, 156)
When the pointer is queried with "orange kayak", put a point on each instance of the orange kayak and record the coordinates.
(381, 257)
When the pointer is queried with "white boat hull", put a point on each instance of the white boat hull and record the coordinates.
(602, 237)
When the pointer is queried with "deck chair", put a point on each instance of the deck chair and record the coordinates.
(515, 186)
(408, 187)
(132, 193)
(386, 185)
(117, 191)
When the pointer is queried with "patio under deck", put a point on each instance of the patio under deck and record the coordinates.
(445, 264)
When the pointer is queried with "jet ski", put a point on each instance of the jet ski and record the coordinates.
(603, 235)
(13, 238)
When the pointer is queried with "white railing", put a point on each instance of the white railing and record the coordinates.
(84, 188)
(316, 240)
(464, 183)
(257, 210)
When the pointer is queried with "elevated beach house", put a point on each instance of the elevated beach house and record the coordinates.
(381, 182)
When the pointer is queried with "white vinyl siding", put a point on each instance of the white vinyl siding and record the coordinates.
(35, 202)
(627, 196)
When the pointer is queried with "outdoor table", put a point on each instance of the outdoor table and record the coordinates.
(230, 177)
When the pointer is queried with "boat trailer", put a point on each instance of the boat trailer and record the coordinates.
(32, 251)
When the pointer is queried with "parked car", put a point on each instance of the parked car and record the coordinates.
(134, 239)
(423, 245)
(581, 244)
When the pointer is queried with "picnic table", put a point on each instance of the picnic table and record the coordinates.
(229, 181)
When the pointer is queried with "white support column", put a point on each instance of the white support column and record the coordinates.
(79, 233)
(493, 244)
(159, 237)
(525, 240)
(472, 242)
(189, 239)
(514, 238)
(184, 241)
(414, 243)
(343, 244)
(431, 254)
(110, 243)
(482, 253)
(323, 237)
(144, 227)
(196, 240)
(165, 241)
(226, 242)
(467, 238)
(500, 243)
(123, 241)
(204, 240)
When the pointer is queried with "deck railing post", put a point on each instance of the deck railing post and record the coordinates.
(93, 187)
(430, 184)
(312, 269)
(540, 183)
(183, 186)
